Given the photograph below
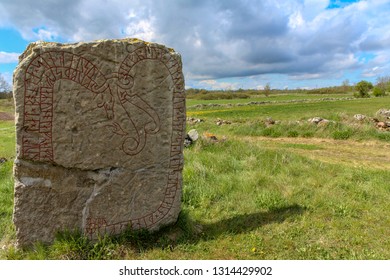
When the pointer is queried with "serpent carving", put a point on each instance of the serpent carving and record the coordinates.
(51, 66)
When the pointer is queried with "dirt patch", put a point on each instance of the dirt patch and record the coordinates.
(6, 116)
(367, 154)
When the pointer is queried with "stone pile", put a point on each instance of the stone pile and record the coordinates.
(192, 120)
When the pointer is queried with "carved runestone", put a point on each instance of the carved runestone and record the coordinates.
(100, 129)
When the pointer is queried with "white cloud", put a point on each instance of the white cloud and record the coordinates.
(214, 85)
(310, 76)
(296, 20)
(142, 29)
(221, 39)
(46, 35)
(6, 57)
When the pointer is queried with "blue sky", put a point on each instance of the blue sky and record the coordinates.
(225, 44)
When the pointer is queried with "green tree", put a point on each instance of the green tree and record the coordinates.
(267, 89)
(383, 83)
(378, 91)
(345, 85)
(363, 88)
(5, 88)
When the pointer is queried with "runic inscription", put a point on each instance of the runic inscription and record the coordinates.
(100, 132)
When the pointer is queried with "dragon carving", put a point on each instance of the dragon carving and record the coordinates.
(110, 91)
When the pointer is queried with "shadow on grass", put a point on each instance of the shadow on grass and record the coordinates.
(248, 222)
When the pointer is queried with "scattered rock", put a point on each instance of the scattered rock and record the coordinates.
(256, 102)
(201, 106)
(213, 138)
(210, 136)
(315, 120)
(3, 160)
(383, 113)
(191, 137)
(382, 125)
(193, 134)
(194, 120)
(323, 122)
(319, 121)
(359, 117)
(221, 122)
(374, 120)
(269, 121)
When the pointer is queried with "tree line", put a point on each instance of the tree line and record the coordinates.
(361, 89)
(5, 88)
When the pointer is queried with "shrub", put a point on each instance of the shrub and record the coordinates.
(378, 92)
(363, 88)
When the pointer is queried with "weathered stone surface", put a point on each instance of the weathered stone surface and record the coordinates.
(359, 117)
(193, 134)
(383, 113)
(100, 131)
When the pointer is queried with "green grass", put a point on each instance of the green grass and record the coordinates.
(292, 117)
(7, 139)
(264, 193)
(6, 202)
(298, 97)
(295, 111)
(7, 105)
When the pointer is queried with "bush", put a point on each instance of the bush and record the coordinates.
(6, 95)
(378, 92)
(363, 88)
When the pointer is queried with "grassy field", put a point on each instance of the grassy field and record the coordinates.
(291, 190)
(271, 98)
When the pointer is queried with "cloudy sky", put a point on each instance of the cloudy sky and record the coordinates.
(225, 44)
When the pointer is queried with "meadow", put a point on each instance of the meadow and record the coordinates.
(286, 189)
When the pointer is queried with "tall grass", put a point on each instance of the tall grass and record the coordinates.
(6, 203)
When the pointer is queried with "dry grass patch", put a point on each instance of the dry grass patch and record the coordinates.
(367, 154)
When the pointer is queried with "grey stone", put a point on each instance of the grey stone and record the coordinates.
(220, 122)
(315, 120)
(100, 129)
(193, 134)
(191, 137)
(383, 112)
(359, 117)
